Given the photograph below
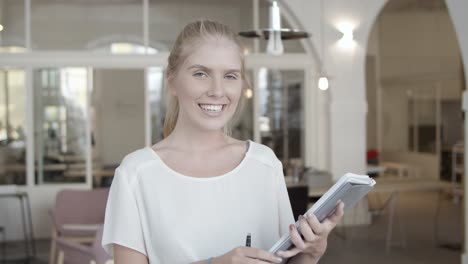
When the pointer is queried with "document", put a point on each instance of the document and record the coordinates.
(349, 189)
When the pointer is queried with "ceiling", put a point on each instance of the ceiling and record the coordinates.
(415, 5)
(119, 2)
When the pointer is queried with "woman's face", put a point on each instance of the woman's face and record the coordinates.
(208, 85)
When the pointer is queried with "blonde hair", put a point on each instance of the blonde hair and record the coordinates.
(192, 34)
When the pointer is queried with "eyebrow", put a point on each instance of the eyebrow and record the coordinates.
(204, 68)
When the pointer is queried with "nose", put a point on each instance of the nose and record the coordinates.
(216, 88)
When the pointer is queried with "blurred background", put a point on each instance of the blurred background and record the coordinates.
(372, 87)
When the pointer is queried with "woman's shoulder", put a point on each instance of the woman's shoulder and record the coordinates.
(133, 161)
(264, 154)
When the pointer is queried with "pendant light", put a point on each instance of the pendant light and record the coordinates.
(275, 34)
(323, 83)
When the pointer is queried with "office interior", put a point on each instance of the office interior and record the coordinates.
(81, 86)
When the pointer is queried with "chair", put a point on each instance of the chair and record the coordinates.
(77, 216)
(71, 252)
(379, 208)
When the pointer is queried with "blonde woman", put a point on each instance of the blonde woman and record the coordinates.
(194, 196)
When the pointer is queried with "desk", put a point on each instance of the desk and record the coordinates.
(374, 169)
(25, 208)
(403, 170)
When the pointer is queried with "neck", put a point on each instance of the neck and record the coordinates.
(192, 139)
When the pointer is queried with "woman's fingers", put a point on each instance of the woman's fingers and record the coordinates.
(311, 229)
(261, 255)
(306, 229)
(317, 227)
(334, 218)
(289, 253)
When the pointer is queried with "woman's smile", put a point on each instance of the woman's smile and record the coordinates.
(212, 110)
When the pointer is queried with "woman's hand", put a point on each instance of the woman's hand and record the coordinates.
(315, 234)
(246, 255)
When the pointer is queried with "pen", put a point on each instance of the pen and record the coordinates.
(247, 240)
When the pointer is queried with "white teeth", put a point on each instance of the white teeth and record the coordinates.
(214, 108)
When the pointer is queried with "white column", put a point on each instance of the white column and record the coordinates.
(465, 187)
(348, 137)
(323, 130)
(310, 120)
(89, 127)
(457, 11)
(29, 127)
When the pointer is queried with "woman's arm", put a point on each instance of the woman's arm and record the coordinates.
(125, 255)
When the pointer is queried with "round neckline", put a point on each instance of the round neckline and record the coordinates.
(155, 154)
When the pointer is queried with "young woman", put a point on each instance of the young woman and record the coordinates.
(194, 196)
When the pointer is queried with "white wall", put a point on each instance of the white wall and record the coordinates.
(120, 113)
(347, 92)
(420, 48)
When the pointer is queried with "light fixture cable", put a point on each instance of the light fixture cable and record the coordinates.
(323, 79)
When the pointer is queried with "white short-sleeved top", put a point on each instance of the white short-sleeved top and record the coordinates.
(173, 218)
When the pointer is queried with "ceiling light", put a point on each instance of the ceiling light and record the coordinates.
(323, 83)
(347, 40)
(275, 34)
(248, 93)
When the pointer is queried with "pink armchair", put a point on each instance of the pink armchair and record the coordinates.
(70, 252)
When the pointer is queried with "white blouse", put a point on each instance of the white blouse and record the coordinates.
(174, 218)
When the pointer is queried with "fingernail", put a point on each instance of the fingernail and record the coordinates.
(291, 227)
(279, 260)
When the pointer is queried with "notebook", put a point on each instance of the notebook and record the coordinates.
(350, 188)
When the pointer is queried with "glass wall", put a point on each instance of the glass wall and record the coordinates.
(244, 125)
(84, 25)
(157, 102)
(60, 116)
(118, 119)
(422, 125)
(281, 111)
(12, 25)
(65, 107)
(12, 126)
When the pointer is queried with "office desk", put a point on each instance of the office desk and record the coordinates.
(26, 220)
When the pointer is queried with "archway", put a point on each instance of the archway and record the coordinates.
(414, 94)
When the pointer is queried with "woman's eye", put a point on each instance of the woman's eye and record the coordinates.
(200, 74)
(231, 77)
